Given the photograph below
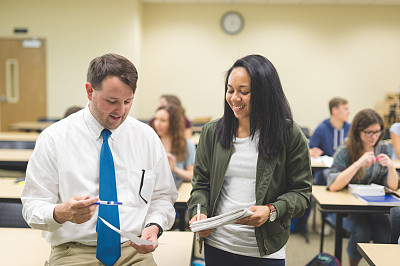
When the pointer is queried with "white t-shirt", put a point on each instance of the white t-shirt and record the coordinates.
(238, 191)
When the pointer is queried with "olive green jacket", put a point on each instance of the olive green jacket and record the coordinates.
(284, 181)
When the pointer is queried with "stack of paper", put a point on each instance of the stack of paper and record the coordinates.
(367, 190)
(220, 220)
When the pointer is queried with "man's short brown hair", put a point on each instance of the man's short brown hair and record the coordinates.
(112, 65)
(335, 102)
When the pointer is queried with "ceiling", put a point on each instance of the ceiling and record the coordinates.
(301, 2)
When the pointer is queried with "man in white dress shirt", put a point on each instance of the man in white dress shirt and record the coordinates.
(62, 179)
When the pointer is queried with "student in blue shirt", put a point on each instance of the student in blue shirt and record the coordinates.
(330, 134)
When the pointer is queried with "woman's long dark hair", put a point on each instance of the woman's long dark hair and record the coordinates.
(269, 109)
(361, 121)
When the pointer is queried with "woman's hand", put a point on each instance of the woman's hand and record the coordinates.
(384, 160)
(366, 160)
(203, 233)
(259, 217)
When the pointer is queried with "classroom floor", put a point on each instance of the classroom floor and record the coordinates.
(299, 253)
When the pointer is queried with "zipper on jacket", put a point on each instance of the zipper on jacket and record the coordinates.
(223, 179)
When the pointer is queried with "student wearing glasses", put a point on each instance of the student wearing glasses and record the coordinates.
(364, 159)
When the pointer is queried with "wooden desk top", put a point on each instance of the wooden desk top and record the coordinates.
(30, 125)
(184, 192)
(380, 254)
(9, 189)
(177, 251)
(343, 197)
(26, 246)
(18, 136)
(23, 246)
(15, 155)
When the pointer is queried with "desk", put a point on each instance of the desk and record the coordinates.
(23, 246)
(18, 136)
(30, 126)
(318, 163)
(380, 254)
(26, 246)
(342, 202)
(177, 251)
(180, 205)
(10, 191)
(15, 159)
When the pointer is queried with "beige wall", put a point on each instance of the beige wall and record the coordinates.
(319, 51)
(76, 32)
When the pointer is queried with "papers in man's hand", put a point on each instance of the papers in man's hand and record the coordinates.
(220, 220)
(135, 239)
(367, 190)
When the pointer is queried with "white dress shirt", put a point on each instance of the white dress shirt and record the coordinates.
(65, 163)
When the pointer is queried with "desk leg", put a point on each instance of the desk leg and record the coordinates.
(339, 236)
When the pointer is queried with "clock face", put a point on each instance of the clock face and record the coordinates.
(232, 22)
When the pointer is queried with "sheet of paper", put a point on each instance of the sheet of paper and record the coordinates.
(135, 239)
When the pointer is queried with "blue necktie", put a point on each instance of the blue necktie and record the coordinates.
(108, 241)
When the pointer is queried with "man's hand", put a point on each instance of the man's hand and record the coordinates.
(259, 217)
(77, 210)
(203, 233)
(149, 233)
(315, 152)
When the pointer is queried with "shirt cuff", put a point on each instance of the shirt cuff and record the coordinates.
(49, 219)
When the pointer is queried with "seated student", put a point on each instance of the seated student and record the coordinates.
(71, 110)
(172, 99)
(169, 125)
(364, 160)
(330, 134)
(395, 137)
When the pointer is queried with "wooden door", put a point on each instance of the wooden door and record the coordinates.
(22, 81)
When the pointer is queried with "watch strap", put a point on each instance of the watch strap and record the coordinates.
(272, 209)
(160, 230)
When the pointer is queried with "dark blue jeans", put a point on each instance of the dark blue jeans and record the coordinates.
(217, 257)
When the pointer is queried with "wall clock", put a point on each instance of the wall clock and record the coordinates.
(232, 22)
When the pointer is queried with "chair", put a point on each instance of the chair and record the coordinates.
(394, 224)
(11, 215)
(5, 144)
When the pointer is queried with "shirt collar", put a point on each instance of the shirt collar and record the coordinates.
(95, 128)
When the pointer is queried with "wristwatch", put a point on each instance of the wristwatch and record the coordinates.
(272, 214)
(160, 230)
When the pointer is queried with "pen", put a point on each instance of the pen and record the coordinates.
(103, 202)
(198, 219)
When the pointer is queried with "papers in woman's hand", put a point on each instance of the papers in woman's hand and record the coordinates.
(220, 220)
(135, 239)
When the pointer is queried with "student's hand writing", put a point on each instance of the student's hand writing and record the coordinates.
(259, 217)
(315, 152)
(77, 210)
(384, 160)
(366, 160)
(171, 161)
(148, 233)
(203, 233)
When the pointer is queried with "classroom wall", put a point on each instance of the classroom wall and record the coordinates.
(319, 51)
(76, 32)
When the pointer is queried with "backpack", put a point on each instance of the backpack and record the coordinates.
(324, 259)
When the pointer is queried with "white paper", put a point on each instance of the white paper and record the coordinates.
(325, 160)
(367, 190)
(135, 239)
(220, 220)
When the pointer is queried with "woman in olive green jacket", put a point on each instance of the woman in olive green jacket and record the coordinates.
(254, 157)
